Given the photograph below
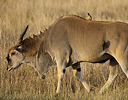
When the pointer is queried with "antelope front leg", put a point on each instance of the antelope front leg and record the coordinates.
(61, 67)
(62, 60)
(60, 79)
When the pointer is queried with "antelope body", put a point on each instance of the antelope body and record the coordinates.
(71, 40)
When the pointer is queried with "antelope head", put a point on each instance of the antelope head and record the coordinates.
(15, 56)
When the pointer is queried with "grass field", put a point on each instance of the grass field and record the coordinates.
(24, 83)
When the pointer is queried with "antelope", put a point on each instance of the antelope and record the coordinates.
(25, 51)
(71, 40)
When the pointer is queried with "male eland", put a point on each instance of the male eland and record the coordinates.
(72, 40)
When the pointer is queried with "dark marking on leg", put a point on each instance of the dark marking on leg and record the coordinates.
(79, 69)
(106, 45)
(64, 71)
(43, 76)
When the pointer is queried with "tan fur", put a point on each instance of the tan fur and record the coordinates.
(89, 41)
(73, 39)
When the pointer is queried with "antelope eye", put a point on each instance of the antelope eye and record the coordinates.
(13, 53)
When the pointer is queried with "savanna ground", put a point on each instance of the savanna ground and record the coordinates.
(24, 83)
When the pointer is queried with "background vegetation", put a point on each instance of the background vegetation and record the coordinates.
(24, 83)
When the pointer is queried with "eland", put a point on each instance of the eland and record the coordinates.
(69, 41)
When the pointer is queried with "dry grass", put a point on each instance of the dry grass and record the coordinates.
(24, 83)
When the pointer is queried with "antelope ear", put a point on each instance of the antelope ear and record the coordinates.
(19, 49)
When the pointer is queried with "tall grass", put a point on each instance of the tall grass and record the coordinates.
(24, 83)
